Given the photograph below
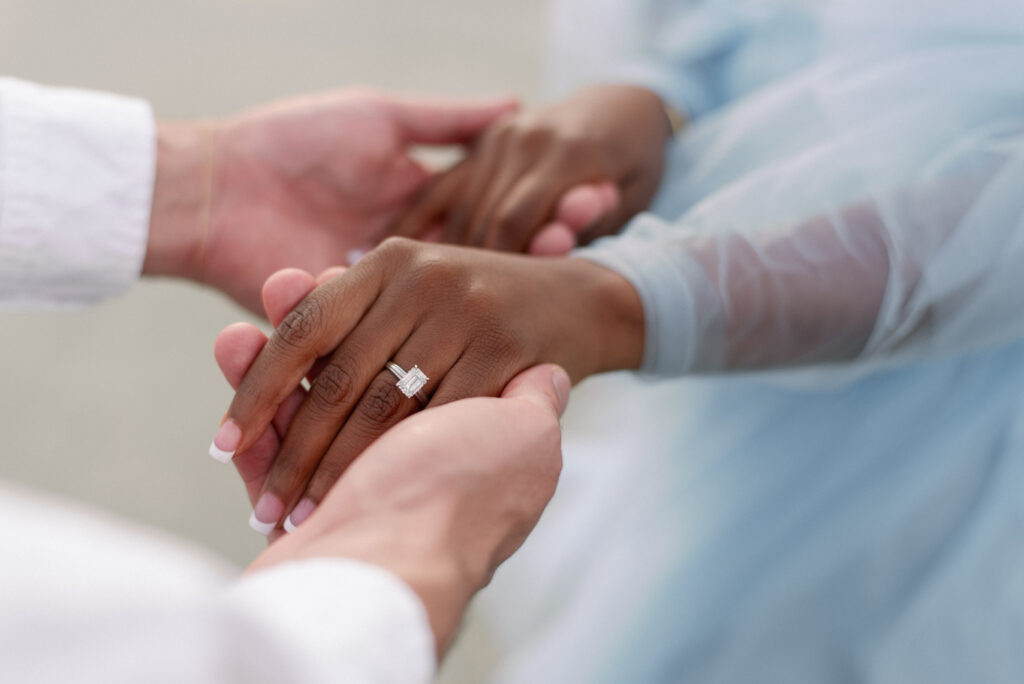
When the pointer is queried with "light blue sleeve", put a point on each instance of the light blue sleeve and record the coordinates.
(674, 48)
(874, 211)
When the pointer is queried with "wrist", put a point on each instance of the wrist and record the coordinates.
(608, 325)
(416, 552)
(182, 197)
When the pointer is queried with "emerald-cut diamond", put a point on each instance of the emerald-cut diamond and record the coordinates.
(413, 382)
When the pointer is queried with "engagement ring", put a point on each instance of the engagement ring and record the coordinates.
(410, 383)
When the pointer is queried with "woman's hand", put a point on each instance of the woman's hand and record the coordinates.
(470, 319)
(608, 141)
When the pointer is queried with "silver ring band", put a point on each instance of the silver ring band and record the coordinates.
(410, 384)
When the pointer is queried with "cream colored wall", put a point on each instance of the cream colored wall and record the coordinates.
(117, 405)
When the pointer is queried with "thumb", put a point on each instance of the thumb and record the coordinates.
(445, 123)
(283, 290)
(547, 386)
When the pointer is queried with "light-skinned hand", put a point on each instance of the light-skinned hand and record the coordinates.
(297, 183)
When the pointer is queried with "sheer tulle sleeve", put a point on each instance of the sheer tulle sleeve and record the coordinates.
(875, 211)
(674, 48)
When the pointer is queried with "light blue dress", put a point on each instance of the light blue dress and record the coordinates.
(850, 203)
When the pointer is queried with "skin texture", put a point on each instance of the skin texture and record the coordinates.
(472, 319)
(297, 183)
(438, 500)
(609, 139)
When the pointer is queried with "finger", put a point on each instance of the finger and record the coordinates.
(235, 349)
(330, 274)
(581, 206)
(486, 216)
(312, 329)
(632, 197)
(405, 178)
(445, 123)
(381, 407)
(338, 392)
(476, 374)
(553, 240)
(486, 161)
(283, 290)
(432, 205)
(523, 211)
(253, 463)
(546, 386)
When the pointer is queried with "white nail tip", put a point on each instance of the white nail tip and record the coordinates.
(289, 527)
(263, 528)
(220, 455)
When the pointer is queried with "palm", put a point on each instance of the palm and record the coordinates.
(301, 185)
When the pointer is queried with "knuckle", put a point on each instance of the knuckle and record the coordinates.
(332, 387)
(478, 300)
(302, 323)
(396, 245)
(431, 274)
(382, 403)
(394, 252)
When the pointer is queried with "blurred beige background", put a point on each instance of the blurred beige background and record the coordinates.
(116, 406)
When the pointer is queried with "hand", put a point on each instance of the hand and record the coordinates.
(299, 183)
(609, 138)
(471, 319)
(438, 500)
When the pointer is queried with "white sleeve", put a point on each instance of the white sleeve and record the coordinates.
(895, 231)
(96, 601)
(329, 621)
(76, 182)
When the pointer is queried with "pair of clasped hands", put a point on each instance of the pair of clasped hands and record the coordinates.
(454, 284)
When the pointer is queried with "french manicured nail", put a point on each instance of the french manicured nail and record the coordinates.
(298, 515)
(562, 385)
(265, 515)
(226, 442)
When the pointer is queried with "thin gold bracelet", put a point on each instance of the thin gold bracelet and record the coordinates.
(677, 119)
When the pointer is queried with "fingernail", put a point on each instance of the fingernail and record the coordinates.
(226, 442)
(562, 385)
(299, 515)
(355, 255)
(265, 515)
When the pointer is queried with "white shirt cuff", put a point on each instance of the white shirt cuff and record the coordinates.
(342, 620)
(76, 182)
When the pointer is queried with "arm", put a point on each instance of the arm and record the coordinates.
(92, 191)
(76, 178)
(371, 589)
(897, 233)
(894, 228)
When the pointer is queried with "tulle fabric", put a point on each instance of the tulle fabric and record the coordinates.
(852, 513)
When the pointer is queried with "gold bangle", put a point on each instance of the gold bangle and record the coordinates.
(677, 120)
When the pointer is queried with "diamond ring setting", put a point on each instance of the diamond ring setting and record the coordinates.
(411, 382)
